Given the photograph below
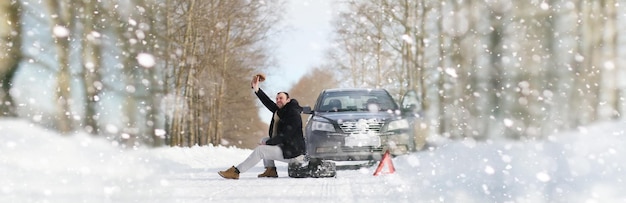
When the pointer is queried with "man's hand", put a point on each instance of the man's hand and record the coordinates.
(255, 83)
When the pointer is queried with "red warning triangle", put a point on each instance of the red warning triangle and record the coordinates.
(385, 160)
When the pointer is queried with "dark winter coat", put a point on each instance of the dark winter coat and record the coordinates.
(289, 136)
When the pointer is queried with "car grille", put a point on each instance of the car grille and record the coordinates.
(362, 126)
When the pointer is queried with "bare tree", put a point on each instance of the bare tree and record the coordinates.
(155, 45)
(504, 78)
(62, 15)
(410, 17)
(442, 101)
(176, 131)
(10, 52)
(350, 56)
(91, 63)
(586, 64)
(218, 49)
(608, 107)
(310, 85)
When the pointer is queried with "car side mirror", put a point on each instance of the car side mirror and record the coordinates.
(307, 110)
(410, 109)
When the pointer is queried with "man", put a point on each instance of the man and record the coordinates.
(285, 142)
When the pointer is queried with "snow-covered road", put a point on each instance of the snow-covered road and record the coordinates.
(349, 186)
(203, 184)
(37, 165)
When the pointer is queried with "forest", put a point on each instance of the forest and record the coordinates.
(176, 72)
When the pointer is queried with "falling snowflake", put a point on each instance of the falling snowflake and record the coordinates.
(407, 39)
(146, 60)
(60, 31)
(451, 72)
(508, 122)
(543, 177)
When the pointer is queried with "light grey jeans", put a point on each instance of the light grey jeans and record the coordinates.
(267, 153)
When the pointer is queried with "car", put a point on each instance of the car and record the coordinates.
(357, 124)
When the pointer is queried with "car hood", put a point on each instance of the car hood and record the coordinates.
(355, 116)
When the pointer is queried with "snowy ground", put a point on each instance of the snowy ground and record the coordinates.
(37, 165)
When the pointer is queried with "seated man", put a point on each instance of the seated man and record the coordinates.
(285, 142)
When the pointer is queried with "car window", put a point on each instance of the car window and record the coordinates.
(356, 101)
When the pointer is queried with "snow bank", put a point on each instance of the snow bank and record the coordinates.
(37, 164)
(583, 166)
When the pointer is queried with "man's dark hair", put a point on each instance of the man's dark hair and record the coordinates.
(286, 94)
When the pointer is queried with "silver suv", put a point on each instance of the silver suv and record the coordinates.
(357, 125)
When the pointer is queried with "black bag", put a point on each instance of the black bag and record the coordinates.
(315, 168)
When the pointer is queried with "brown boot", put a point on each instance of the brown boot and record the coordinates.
(270, 172)
(231, 173)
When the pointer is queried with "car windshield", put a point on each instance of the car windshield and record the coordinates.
(374, 100)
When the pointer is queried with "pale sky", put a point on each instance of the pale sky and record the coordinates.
(300, 47)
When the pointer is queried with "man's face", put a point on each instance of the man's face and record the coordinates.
(281, 100)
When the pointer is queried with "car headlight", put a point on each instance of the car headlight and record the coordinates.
(399, 124)
(321, 126)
